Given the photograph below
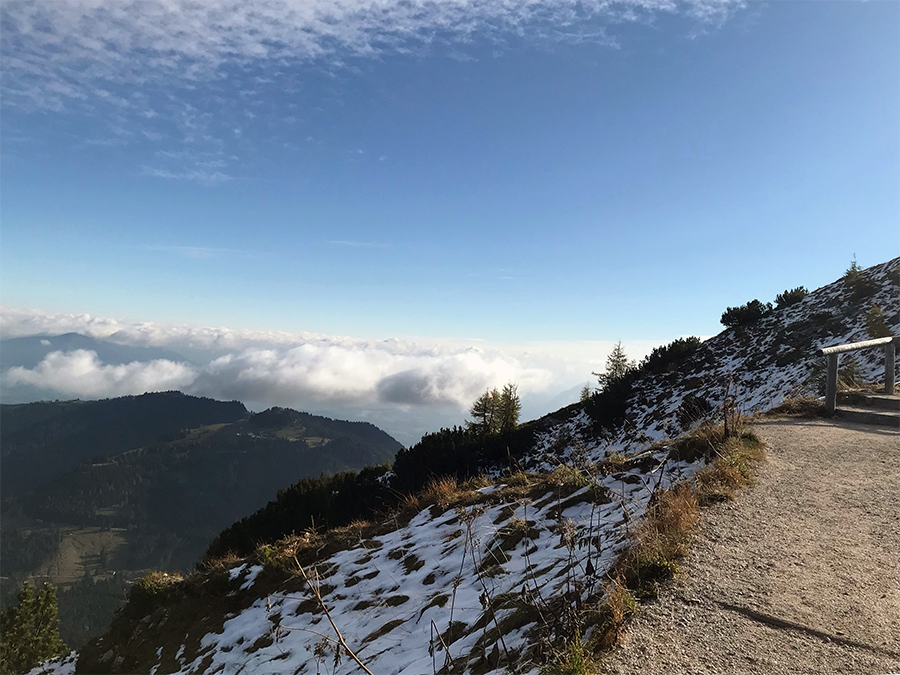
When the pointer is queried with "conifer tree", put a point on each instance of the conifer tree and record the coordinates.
(510, 408)
(617, 367)
(29, 630)
(484, 413)
(495, 411)
(876, 326)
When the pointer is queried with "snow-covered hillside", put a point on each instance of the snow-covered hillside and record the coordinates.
(449, 577)
(476, 587)
(759, 364)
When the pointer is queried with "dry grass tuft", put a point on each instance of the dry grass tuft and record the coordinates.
(674, 515)
(226, 561)
(660, 540)
(566, 475)
(800, 406)
(616, 609)
(444, 492)
(731, 470)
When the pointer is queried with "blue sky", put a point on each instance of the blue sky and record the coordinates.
(524, 173)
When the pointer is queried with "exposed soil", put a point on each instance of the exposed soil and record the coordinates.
(800, 575)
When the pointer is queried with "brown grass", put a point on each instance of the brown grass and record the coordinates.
(663, 537)
(444, 492)
(799, 406)
(731, 470)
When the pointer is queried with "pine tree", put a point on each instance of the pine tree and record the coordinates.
(29, 630)
(617, 367)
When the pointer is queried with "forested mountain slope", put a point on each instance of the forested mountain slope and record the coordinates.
(165, 473)
(40, 441)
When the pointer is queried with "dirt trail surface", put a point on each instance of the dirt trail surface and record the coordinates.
(800, 575)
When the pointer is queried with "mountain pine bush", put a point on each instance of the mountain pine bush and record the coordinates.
(876, 326)
(790, 297)
(855, 282)
(745, 314)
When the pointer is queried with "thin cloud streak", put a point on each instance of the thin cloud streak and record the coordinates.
(360, 244)
(193, 175)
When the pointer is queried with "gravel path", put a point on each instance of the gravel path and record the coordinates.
(800, 575)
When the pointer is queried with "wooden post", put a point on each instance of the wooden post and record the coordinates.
(831, 383)
(889, 351)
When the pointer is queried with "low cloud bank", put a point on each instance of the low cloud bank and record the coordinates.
(340, 376)
(81, 373)
(270, 367)
(361, 374)
(309, 372)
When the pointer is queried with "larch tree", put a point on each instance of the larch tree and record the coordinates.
(510, 408)
(484, 412)
(496, 411)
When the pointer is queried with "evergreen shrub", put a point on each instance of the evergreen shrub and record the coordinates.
(790, 297)
(745, 314)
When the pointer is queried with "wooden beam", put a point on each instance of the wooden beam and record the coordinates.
(837, 349)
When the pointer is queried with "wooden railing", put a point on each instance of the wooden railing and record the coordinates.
(833, 353)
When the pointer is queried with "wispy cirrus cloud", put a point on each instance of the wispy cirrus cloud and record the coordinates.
(194, 175)
(55, 51)
(211, 77)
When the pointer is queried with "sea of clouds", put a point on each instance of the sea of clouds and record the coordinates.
(403, 384)
(344, 376)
